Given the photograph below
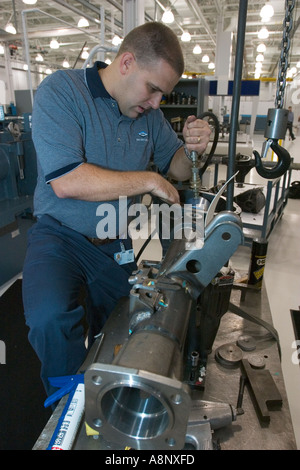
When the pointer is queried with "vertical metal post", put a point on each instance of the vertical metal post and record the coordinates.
(240, 40)
(101, 55)
(10, 96)
(133, 14)
(27, 55)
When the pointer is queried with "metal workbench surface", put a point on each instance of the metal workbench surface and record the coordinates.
(248, 431)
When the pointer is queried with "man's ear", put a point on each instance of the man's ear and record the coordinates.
(127, 62)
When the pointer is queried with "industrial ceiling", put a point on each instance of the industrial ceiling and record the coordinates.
(58, 19)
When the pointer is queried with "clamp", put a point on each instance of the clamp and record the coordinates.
(66, 384)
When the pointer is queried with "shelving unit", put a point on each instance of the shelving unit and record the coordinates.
(189, 97)
(262, 224)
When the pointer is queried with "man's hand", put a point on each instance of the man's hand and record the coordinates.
(164, 190)
(196, 134)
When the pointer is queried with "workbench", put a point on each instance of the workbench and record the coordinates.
(248, 431)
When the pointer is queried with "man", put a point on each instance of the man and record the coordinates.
(290, 123)
(95, 131)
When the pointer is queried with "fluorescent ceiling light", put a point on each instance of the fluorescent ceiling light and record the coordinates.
(205, 58)
(267, 11)
(54, 44)
(185, 37)
(263, 33)
(197, 49)
(83, 23)
(168, 17)
(48, 71)
(116, 40)
(1, 49)
(9, 28)
(259, 58)
(84, 54)
(211, 65)
(30, 2)
(66, 64)
(261, 47)
(39, 58)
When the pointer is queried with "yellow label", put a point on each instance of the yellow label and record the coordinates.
(258, 274)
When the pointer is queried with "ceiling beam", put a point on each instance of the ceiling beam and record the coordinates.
(197, 11)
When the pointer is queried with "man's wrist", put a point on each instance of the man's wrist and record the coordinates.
(187, 153)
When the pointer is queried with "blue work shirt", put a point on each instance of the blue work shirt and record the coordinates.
(75, 120)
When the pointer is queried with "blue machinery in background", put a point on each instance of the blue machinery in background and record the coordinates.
(17, 182)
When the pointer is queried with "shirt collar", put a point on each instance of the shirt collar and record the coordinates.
(94, 81)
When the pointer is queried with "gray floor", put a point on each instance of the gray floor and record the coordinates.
(282, 281)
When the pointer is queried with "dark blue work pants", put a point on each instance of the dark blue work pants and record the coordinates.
(58, 263)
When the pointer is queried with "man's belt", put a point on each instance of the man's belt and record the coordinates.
(101, 241)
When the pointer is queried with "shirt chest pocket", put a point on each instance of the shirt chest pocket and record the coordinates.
(132, 152)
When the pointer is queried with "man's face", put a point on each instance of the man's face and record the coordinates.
(144, 87)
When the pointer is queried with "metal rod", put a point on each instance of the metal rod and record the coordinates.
(236, 99)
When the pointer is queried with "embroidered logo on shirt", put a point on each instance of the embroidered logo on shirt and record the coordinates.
(143, 137)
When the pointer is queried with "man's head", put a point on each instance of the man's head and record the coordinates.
(149, 64)
(151, 42)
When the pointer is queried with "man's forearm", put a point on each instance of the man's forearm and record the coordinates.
(93, 183)
(180, 167)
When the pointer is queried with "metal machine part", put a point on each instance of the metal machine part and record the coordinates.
(140, 400)
(264, 388)
(18, 176)
(229, 355)
(195, 181)
(246, 343)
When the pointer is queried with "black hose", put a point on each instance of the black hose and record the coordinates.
(215, 141)
(144, 246)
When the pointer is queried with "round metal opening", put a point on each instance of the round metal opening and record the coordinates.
(135, 412)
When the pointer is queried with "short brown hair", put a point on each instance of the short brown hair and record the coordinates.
(152, 41)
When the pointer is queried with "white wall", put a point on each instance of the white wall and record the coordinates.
(292, 98)
(266, 100)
